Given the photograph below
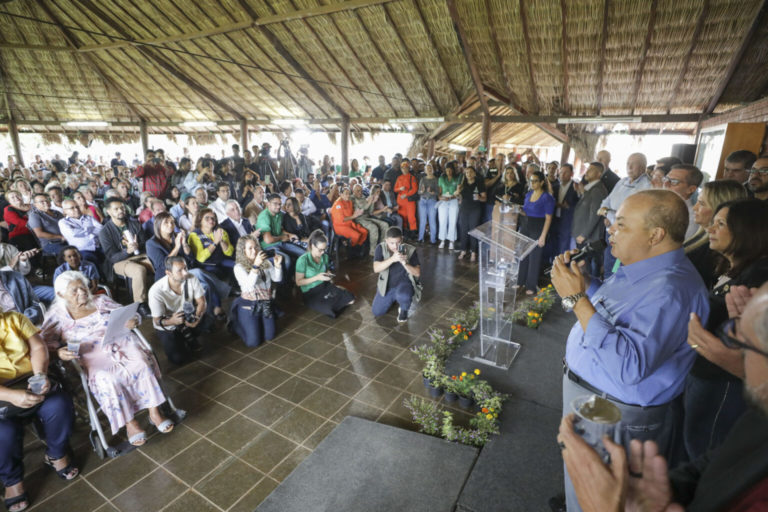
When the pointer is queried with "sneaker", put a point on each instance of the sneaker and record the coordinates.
(442, 244)
(402, 315)
(450, 246)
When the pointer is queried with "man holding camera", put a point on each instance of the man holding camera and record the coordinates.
(177, 303)
(398, 267)
(155, 175)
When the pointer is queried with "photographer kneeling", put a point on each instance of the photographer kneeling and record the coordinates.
(177, 302)
(398, 267)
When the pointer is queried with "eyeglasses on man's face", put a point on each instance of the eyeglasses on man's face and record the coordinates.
(724, 332)
(763, 171)
(672, 181)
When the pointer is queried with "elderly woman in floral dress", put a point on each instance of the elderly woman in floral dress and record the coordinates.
(123, 376)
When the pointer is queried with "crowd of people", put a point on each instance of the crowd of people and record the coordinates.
(183, 237)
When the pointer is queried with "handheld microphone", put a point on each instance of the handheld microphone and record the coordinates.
(594, 247)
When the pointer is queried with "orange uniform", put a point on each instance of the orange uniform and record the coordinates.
(406, 208)
(356, 233)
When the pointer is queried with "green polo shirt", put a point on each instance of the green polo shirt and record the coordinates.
(448, 186)
(268, 223)
(306, 265)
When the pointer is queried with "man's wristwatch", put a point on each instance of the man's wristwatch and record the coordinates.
(570, 301)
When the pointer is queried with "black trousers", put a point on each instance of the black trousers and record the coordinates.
(328, 299)
(530, 267)
(470, 215)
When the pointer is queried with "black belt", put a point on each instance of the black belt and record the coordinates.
(589, 387)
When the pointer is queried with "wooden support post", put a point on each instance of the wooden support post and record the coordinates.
(430, 149)
(564, 153)
(243, 135)
(144, 138)
(485, 137)
(345, 146)
(13, 131)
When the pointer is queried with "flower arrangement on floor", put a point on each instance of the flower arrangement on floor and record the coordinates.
(531, 311)
(466, 386)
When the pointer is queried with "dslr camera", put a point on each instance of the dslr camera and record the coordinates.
(401, 249)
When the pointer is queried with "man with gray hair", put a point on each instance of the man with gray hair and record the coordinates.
(684, 180)
(629, 343)
(235, 224)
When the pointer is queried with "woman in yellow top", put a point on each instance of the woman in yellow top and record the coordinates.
(22, 354)
(210, 245)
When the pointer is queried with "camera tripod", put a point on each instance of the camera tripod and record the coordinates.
(288, 162)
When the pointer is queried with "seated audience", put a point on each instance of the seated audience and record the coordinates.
(234, 224)
(252, 314)
(16, 216)
(343, 216)
(16, 294)
(219, 206)
(70, 259)
(24, 354)
(44, 223)
(294, 221)
(399, 270)
(122, 240)
(177, 303)
(191, 207)
(376, 227)
(270, 225)
(313, 276)
(157, 207)
(87, 208)
(82, 231)
(123, 376)
(211, 246)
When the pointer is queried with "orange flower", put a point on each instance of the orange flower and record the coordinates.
(453, 377)
(470, 333)
(485, 410)
(461, 379)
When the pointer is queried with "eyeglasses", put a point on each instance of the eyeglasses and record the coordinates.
(673, 181)
(209, 217)
(724, 333)
(763, 171)
(535, 181)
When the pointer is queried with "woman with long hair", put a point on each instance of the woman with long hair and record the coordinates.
(187, 219)
(448, 205)
(85, 208)
(509, 188)
(210, 244)
(711, 196)
(538, 207)
(354, 169)
(429, 191)
(714, 397)
(16, 216)
(471, 192)
(252, 314)
(314, 279)
(294, 221)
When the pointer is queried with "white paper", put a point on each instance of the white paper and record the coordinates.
(117, 319)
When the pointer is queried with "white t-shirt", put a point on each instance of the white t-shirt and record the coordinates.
(164, 302)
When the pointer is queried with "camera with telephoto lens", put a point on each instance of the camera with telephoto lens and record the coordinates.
(189, 312)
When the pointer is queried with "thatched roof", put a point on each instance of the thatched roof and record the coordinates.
(169, 61)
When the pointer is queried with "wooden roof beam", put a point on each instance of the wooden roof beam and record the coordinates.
(285, 54)
(601, 61)
(644, 58)
(564, 55)
(527, 38)
(687, 60)
(160, 60)
(551, 130)
(737, 57)
(242, 25)
(73, 43)
(467, 51)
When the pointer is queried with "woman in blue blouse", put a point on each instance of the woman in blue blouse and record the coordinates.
(538, 209)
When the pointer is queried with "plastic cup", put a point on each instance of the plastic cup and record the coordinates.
(36, 383)
(596, 418)
(73, 347)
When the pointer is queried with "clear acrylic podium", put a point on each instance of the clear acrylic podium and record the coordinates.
(501, 248)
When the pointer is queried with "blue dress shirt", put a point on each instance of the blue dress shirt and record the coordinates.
(635, 346)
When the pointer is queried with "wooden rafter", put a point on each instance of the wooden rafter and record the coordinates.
(527, 38)
(408, 53)
(443, 68)
(737, 57)
(40, 47)
(601, 62)
(160, 60)
(72, 41)
(550, 129)
(687, 59)
(245, 24)
(564, 54)
(644, 55)
(467, 51)
(274, 41)
(390, 71)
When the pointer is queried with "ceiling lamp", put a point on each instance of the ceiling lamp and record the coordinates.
(86, 124)
(599, 120)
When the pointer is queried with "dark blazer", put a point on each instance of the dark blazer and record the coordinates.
(566, 214)
(586, 222)
(715, 480)
(609, 179)
(232, 232)
(111, 240)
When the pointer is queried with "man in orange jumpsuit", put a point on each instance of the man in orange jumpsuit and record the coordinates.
(407, 185)
(343, 215)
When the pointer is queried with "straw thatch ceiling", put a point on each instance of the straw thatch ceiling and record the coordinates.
(168, 61)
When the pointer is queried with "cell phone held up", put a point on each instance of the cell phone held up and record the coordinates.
(401, 249)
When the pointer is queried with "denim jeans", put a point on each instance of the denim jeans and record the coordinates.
(428, 211)
(402, 293)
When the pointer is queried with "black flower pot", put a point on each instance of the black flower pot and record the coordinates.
(466, 402)
(434, 391)
(426, 381)
(451, 397)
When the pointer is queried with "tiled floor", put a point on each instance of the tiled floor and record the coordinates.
(255, 414)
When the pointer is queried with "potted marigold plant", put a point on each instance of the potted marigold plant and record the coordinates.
(463, 385)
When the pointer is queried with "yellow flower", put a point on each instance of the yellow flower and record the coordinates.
(477, 371)
(466, 337)
(530, 313)
(463, 374)
(489, 416)
(491, 409)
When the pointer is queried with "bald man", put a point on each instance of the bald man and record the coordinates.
(629, 343)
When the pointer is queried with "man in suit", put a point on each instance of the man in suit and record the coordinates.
(235, 224)
(609, 178)
(587, 225)
(566, 198)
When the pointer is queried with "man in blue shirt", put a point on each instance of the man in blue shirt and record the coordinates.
(629, 344)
